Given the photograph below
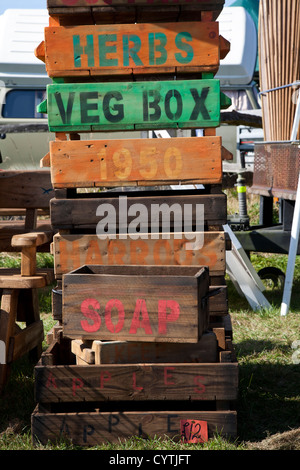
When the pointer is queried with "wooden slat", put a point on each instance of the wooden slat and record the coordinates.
(72, 5)
(136, 382)
(218, 302)
(8, 315)
(20, 212)
(136, 162)
(27, 339)
(25, 189)
(131, 48)
(138, 306)
(135, 105)
(83, 351)
(133, 13)
(10, 278)
(9, 228)
(93, 428)
(81, 213)
(279, 42)
(122, 352)
(84, 6)
(73, 251)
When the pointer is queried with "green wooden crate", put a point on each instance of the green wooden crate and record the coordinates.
(136, 105)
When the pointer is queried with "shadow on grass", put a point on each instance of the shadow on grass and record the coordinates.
(269, 394)
(17, 399)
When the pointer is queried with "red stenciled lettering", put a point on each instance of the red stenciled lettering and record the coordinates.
(104, 377)
(140, 308)
(160, 247)
(51, 381)
(77, 383)
(200, 387)
(116, 251)
(121, 315)
(163, 318)
(134, 382)
(139, 250)
(88, 308)
(167, 375)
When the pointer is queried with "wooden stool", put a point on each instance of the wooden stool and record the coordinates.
(19, 302)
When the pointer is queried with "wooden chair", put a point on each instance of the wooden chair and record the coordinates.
(24, 194)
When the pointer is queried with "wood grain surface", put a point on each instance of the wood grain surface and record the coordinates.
(106, 106)
(136, 162)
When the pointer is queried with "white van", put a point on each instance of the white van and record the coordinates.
(24, 135)
(236, 75)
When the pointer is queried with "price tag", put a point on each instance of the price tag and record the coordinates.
(193, 431)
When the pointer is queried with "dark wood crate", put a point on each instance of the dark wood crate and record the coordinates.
(91, 428)
(136, 303)
(71, 251)
(98, 403)
(80, 211)
(123, 11)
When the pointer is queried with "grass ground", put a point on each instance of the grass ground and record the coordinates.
(268, 406)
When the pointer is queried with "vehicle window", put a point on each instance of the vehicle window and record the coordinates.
(23, 104)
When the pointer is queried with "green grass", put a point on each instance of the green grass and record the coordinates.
(268, 405)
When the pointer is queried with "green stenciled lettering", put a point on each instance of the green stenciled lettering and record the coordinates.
(160, 47)
(85, 107)
(88, 49)
(187, 48)
(105, 49)
(131, 52)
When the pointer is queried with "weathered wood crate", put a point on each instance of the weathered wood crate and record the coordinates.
(90, 404)
(135, 162)
(94, 427)
(75, 250)
(72, 251)
(126, 49)
(217, 301)
(136, 303)
(130, 352)
(111, 106)
(126, 11)
(164, 356)
(80, 212)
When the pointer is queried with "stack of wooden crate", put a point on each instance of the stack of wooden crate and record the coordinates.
(143, 342)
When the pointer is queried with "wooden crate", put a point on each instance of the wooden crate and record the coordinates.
(135, 162)
(217, 302)
(130, 352)
(136, 303)
(125, 11)
(215, 345)
(94, 427)
(93, 389)
(136, 382)
(78, 211)
(126, 49)
(75, 250)
(107, 402)
(111, 106)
